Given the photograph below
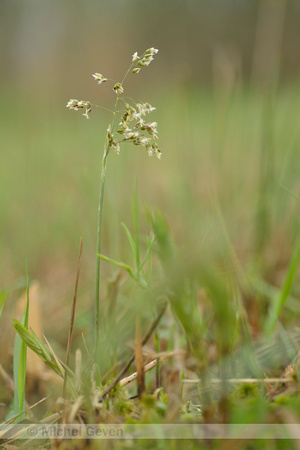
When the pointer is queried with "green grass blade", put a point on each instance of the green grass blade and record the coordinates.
(119, 264)
(129, 237)
(16, 365)
(3, 297)
(165, 245)
(280, 301)
(150, 245)
(290, 192)
(20, 360)
(5, 293)
(135, 215)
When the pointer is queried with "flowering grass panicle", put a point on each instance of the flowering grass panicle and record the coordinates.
(140, 133)
(132, 127)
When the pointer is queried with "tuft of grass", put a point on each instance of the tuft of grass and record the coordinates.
(32, 341)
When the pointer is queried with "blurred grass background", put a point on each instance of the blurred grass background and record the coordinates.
(226, 87)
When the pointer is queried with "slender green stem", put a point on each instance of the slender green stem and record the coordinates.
(99, 225)
(98, 247)
(99, 231)
(129, 69)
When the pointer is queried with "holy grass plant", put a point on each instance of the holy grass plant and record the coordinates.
(130, 128)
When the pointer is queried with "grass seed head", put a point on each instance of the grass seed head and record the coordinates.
(99, 77)
(135, 57)
(118, 88)
(134, 134)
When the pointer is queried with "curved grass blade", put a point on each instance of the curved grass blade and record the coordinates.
(20, 360)
(280, 301)
(149, 250)
(3, 296)
(119, 264)
(135, 215)
(129, 237)
(18, 284)
(290, 192)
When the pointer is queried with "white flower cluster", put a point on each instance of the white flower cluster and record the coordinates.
(135, 134)
(76, 105)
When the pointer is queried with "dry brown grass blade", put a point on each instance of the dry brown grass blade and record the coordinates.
(19, 434)
(78, 363)
(12, 419)
(72, 318)
(241, 380)
(71, 409)
(75, 408)
(138, 355)
(51, 419)
(145, 339)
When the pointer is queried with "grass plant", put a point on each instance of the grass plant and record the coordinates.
(141, 134)
(204, 293)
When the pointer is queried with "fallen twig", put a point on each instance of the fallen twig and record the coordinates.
(148, 367)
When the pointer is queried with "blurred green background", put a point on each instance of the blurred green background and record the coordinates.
(226, 86)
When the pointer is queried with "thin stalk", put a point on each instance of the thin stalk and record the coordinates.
(99, 231)
(100, 213)
(158, 364)
(156, 332)
(98, 246)
(70, 335)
